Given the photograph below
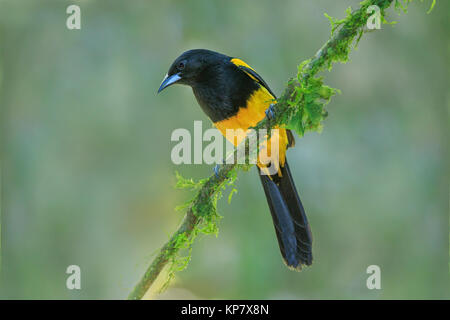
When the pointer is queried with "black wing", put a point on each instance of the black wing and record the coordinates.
(252, 73)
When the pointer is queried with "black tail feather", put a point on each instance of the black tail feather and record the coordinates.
(289, 218)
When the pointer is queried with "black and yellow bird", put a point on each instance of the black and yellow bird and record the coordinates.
(234, 96)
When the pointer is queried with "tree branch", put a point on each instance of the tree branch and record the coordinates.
(287, 108)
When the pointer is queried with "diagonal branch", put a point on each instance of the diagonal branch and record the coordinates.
(336, 49)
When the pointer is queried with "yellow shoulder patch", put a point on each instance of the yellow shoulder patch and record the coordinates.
(239, 62)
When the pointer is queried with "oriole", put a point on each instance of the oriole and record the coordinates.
(234, 96)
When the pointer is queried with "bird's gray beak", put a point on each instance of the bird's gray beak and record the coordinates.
(168, 81)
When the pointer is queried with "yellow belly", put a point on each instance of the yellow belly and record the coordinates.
(248, 117)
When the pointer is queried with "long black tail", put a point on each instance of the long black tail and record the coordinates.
(289, 218)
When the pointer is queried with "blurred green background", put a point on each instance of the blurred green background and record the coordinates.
(87, 177)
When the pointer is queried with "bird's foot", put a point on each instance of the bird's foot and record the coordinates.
(216, 170)
(270, 112)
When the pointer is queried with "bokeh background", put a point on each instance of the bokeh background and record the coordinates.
(87, 177)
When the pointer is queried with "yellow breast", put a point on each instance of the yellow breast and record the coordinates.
(248, 116)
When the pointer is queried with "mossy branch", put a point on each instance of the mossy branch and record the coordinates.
(300, 108)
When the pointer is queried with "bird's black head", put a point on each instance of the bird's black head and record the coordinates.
(189, 65)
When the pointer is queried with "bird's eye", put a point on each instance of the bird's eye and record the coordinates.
(180, 66)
